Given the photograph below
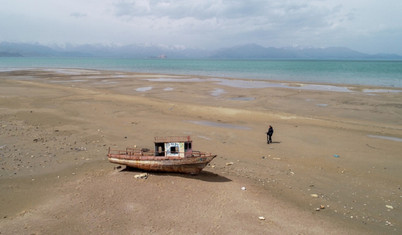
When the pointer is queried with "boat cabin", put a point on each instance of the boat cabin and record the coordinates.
(173, 146)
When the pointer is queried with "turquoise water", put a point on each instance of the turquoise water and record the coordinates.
(376, 73)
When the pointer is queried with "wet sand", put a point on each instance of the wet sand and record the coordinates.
(334, 166)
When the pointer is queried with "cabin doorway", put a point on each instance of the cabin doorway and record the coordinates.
(160, 149)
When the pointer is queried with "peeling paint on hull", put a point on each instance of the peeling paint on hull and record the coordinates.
(189, 165)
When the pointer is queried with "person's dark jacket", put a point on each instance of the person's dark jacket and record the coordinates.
(270, 131)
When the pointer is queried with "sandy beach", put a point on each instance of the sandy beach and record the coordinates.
(334, 166)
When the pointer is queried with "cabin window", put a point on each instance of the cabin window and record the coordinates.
(173, 149)
(159, 149)
(187, 146)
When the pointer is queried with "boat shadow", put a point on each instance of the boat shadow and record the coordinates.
(207, 176)
(203, 175)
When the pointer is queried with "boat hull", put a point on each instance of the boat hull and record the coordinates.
(188, 165)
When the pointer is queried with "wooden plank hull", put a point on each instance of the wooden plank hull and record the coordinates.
(188, 165)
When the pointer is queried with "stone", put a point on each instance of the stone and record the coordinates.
(141, 176)
(389, 207)
(387, 223)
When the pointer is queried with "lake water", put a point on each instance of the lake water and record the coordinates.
(375, 73)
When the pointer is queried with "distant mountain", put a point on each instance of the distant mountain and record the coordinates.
(95, 50)
(34, 50)
(253, 51)
(9, 54)
(249, 51)
(330, 53)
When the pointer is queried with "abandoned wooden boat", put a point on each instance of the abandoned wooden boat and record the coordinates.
(171, 154)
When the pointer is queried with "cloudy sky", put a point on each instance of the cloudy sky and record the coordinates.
(370, 26)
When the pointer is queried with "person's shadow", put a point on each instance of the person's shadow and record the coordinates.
(274, 142)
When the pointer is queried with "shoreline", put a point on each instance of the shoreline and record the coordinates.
(245, 83)
(73, 123)
(221, 76)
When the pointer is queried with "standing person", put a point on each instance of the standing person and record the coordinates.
(269, 134)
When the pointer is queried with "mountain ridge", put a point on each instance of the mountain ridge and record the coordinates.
(246, 51)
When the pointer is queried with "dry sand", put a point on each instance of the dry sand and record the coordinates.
(337, 150)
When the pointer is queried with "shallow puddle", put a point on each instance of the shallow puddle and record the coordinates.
(386, 137)
(142, 89)
(322, 105)
(243, 98)
(175, 80)
(67, 81)
(217, 92)
(381, 91)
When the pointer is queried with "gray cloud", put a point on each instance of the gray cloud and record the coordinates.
(202, 10)
(208, 23)
(236, 15)
(78, 15)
